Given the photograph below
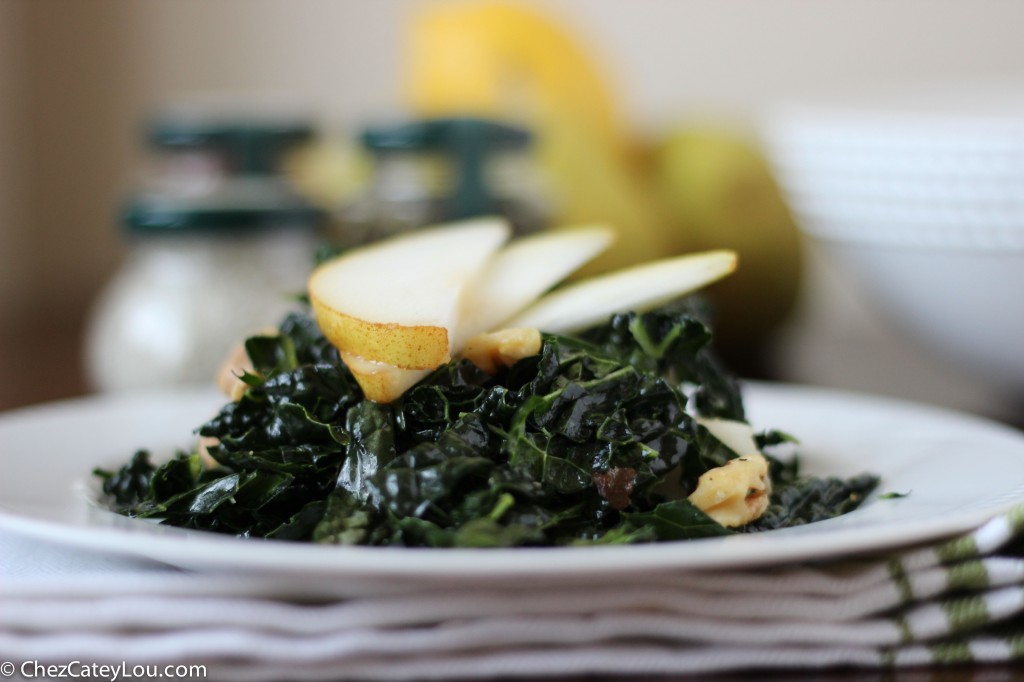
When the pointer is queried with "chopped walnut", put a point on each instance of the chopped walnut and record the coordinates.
(203, 448)
(502, 348)
(234, 366)
(735, 493)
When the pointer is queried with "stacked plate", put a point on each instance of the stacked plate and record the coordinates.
(921, 196)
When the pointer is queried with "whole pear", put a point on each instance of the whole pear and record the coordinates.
(720, 193)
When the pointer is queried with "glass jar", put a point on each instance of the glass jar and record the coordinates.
(200, 275)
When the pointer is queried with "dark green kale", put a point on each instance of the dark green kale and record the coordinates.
(129, 485)
(803, 500)
(590, 442)
(677, 346)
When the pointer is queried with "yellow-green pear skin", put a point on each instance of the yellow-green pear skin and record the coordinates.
(721, 194)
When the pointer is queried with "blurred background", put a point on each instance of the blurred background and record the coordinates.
(651, 115)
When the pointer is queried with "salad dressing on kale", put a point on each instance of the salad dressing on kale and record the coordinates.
(594, 440)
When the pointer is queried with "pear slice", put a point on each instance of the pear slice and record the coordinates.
(381, 383)
(397, 302)
(736, 435)
(523, 271)
(639, 288)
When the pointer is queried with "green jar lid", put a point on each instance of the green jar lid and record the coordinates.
(262, 206)
(249, 147)
(446, 134)
(467, 142)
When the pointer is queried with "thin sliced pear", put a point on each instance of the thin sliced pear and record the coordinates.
(397, 301)
(521, 272)
(639, 288)
(735, 435)
(381, 383)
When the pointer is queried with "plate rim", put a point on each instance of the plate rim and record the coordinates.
(206, 551)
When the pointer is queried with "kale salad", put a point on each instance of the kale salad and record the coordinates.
(611, 435)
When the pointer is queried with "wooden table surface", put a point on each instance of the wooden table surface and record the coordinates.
(41, 360)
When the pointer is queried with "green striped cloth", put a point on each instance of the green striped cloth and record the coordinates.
(957, 601)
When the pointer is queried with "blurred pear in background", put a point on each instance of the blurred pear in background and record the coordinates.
(703, 186)
(328, 172)
(508, 61)
(720, 193)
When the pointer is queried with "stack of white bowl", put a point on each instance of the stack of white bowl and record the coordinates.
(921, 198)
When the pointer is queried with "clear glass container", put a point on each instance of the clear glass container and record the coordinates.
(405, 192)
(219, 245)
(180, 303)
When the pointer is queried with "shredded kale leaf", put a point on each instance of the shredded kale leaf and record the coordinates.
(590, 442)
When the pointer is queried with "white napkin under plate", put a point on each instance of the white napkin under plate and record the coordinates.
(956, 601)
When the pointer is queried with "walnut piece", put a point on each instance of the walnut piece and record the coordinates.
(502, 348)
(235, 365)
(735, 493)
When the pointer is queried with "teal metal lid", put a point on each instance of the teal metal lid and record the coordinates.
(248, 147)
(468, 142)
(442, 134)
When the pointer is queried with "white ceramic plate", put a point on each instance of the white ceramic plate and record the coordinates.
(958, 470)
